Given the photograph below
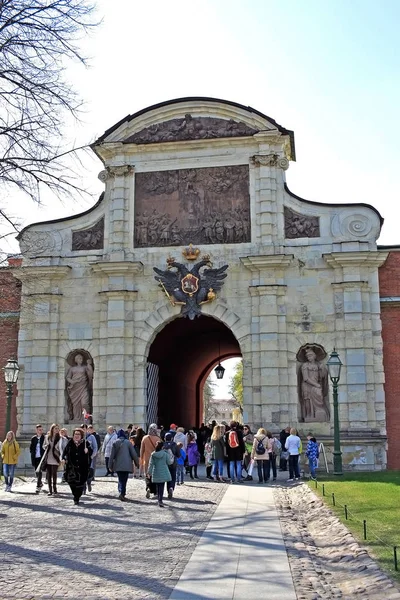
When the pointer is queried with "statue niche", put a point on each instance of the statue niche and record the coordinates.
(79, 384)
(312, 384)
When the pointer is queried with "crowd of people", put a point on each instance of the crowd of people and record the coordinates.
(165, 458)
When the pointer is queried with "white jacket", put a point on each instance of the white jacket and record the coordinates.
(180, 438)
(108, 444)
(293, 444)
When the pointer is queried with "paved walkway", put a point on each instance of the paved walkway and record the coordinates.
(241, 554)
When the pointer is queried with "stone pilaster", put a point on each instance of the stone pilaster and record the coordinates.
(120, 181)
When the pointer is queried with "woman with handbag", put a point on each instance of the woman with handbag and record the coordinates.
(77, 456)
(53, 457)
(148, 445)
(10, 452)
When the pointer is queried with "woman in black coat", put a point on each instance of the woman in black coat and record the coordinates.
(77, 456)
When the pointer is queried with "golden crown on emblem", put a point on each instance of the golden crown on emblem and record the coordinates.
(190, 252)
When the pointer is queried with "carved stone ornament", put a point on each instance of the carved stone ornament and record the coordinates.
(103, 175)
(190, 128)
(36, 243)
(120, 171)
(203, 206)
(300, 226)
(357, 225)
(188, 287)
(89, 239)
(265, 160)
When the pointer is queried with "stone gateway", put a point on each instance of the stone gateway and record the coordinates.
(302, 278)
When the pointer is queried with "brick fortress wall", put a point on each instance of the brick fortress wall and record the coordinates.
(389, 286)
(10, 298)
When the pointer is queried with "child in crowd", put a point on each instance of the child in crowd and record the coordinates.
(312, 454)
(193, 456)
(180, 467)
(208, 457)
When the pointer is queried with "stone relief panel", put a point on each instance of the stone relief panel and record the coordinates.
(203, 206)
(300, 226)
(190, 128)
(36, 243)
(312, 385)
(79, 370)
(89, 239)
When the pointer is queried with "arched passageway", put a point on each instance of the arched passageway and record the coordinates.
(184, 352)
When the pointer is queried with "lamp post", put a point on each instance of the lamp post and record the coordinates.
(11, 372)
(334, 365)
(219, 369)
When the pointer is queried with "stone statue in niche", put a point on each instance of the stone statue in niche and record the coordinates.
(89, 239)
(300, 226)
(312, 384)
(190, 128)
(79, 384)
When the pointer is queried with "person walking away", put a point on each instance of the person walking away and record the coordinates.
(235, 450)
(64, 439)
(273, 451)
(77, 456)
(148, 446)
(292, 445)
(53, 457)
(109, 439)
(180, 438)
(158, 470)
(122, 457)
(180, 466)
(312, 453)
(93, 443)
(262, 446)
(10, 452)
(137, 441)
(171, 447)
(193, 456)
(218, 452)
(248, 439)
(92, 431)
(283, 462)
(208, 457)
(36, 449)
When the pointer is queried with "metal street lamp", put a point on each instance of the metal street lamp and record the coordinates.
(11, 372)
(334, 365)
(219, 371)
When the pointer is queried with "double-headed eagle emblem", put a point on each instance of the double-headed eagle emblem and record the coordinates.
(189, 287)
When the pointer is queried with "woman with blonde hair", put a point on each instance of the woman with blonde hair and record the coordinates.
(293, 444)
(53, 457)
(262, 446)
(10, 452)
(218, 452)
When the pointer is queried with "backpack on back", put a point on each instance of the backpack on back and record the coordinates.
(233, 439)
(260, 448)
(277, 446)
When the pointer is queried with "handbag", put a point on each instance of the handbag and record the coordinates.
(285, 455)
(71, 474)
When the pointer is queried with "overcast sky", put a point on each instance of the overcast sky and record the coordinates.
(329, 70)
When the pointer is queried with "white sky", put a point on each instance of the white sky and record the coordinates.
(327, 70)
(221, 389)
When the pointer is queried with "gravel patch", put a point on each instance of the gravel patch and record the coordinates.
(326, 560)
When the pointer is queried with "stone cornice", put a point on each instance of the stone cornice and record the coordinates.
(356, 259)
(32, 274)
(119, 294)
(263, 290)
(273, 261)
(351, 285)
(118, 268)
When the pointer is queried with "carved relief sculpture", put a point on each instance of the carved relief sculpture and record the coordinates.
(300, 226)
(89, 239)
(189, 287)
(205, 206)
(79, 384)
(312, 385)
(190, 128)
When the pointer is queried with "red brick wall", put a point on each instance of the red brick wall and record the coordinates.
(389, 284)
(10, 295)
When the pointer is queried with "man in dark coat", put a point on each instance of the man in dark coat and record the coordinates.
(121, 461)
(283, 436)
(235, 450)
(36, 450)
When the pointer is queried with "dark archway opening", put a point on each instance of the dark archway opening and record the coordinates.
(184, 352)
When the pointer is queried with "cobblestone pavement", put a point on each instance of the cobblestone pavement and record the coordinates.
(104, 549)
(326, 560)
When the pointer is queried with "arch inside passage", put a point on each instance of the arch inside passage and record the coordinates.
(185, 351)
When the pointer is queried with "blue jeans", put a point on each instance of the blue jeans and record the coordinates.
(312, 463)
(180, 473)
(218, 467)
(8, 471)
(238, 464)
(122, 481)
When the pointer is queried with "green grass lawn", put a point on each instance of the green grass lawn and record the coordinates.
(372, 496)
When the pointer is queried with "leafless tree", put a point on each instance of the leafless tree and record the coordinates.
(38, 39)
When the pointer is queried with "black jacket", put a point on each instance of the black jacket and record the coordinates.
(235, 453)
(32, 448)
